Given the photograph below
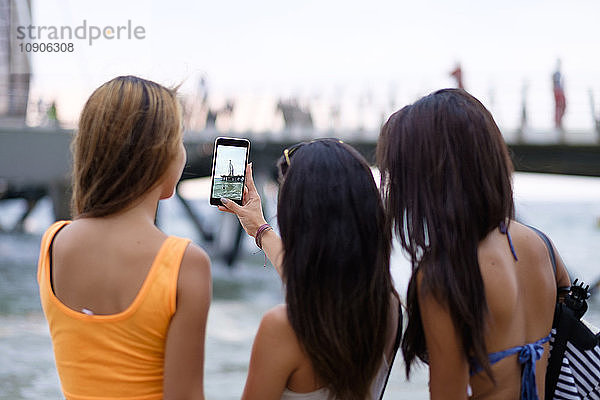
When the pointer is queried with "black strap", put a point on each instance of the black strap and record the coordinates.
(548, 246)
(553, 368)
(51, 257)
(396, 346)
(560, 289)
(568, 328)
(560, 324)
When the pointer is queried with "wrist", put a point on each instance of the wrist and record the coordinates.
(254, 227)
(260, 233)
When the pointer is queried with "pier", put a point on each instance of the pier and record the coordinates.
(232, 178)
(36, 162)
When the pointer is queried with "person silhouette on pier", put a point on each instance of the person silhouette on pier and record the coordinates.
(52, 116)
(230, 168)
(457, 74)
(560, 102)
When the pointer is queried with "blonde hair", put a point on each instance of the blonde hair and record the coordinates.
(129, 132)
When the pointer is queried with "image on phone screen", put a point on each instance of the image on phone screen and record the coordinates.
(229, 172)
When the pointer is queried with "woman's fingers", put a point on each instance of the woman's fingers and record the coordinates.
(250, 213)
(250, 179)
(245, 196)
(225, 209)
(230, 205)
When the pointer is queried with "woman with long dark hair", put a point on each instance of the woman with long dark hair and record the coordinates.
(334, 337)
(481, 298)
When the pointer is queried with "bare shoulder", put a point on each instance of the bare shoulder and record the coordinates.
(527, 234)
(276, 355)
(535, 247)
(196, 257)
(276, 330)
(81, 245)
(528, 239)
(277, 321)
(541, 252)
(194, 273)
(71, 235)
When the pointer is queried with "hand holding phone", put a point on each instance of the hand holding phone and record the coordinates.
(229, 169)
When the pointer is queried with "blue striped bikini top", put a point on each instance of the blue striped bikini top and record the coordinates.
(528, 353)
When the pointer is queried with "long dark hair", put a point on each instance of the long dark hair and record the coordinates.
(446, 183)
(336, 263)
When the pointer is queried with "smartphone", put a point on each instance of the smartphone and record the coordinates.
(230, 159)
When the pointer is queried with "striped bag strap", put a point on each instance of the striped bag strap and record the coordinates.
(573, 370)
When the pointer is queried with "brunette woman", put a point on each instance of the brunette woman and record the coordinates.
(482, 294)
(334, 337)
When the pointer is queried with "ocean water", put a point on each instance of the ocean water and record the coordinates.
(230, 190)
(566, 208)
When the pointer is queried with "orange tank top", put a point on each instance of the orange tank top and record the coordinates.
(117, 356)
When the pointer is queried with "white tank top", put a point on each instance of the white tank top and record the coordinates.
(323, 393)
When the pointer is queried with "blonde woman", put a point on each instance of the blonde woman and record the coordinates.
(126, 304)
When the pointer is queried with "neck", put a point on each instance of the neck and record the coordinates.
(142, 213)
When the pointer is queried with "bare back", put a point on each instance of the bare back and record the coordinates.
(521, 296)
(100, 266)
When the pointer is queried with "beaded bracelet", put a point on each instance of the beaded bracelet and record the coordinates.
(261, 230)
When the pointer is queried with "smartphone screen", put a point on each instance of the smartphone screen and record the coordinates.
(229, 169)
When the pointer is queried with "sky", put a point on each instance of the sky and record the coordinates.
(237, 155)
(369, 58)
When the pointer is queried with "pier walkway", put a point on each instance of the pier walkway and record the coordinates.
(35, 162)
